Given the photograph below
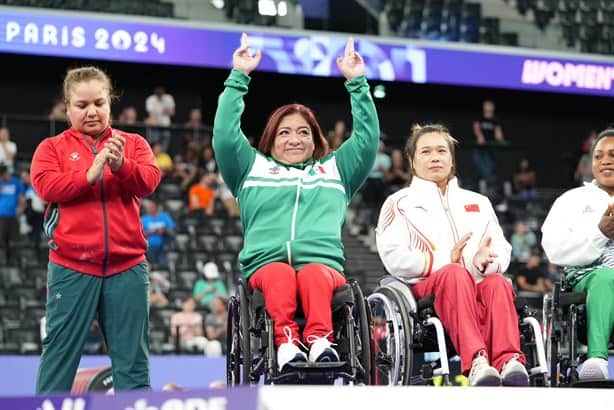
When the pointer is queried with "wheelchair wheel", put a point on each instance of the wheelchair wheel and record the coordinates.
(362, 328)
(245, 335)
(233, 345)
(393, 356)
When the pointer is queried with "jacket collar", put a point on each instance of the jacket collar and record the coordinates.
(430, 187)
(595, 186)
(300, 165)
(78, 134)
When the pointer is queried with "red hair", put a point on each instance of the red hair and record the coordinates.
(270, 131)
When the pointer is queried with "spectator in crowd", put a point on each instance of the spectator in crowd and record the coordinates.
(488, 132)
(554, 275)
(196, 136)
(525, 181)
(12, 204)
(532, 277)
(228, 200)
(398, 175)
(462, 267)
(523, 242)
(292, 151)
(163, 160)
(187, 325)
(211, 287)
(34, 209)
(94, 176)
(159, 227)
(578, 233)
(159, 286)
(128, 116)
(202, 194)
(216, 322)
(58, 110)
(8, 149)
(584, 170)
(337, 135)
(160, 108)
(186, 168)
(206, 162)
(374, 190)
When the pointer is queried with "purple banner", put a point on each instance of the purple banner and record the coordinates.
(212, 399)
(168, 42)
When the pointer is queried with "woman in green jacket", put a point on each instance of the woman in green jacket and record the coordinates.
(293, 195)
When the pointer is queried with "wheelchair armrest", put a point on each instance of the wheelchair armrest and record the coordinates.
(427, 302)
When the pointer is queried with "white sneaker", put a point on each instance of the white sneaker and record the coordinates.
(483, 374)
(289, 353)
(321, 350)
(514, 374)
(594, 369)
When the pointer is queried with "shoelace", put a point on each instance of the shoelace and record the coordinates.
(311, 339)
(288, 334)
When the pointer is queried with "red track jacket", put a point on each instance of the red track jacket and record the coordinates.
(94, 229)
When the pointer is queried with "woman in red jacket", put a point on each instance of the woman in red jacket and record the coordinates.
(94, 177)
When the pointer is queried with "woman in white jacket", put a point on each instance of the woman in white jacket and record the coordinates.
(579, 235)
(446, 241)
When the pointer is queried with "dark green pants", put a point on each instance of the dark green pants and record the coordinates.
(599, 287)
(122, 304)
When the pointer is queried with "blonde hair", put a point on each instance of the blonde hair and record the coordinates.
(84, 74)
(418, 131)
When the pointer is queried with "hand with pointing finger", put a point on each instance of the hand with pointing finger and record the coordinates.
(242, 60)
(351, 63)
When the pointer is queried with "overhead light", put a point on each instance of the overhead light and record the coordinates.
(218, 4)
(267, 8)
(282, 8)
(379, 91)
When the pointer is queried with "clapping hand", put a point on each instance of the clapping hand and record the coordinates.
(351, 63)
(484, 256)
(606, 224)
(242, 60)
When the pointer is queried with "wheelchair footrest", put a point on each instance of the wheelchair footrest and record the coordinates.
(312, 373)
(599, 384)
(316, 367)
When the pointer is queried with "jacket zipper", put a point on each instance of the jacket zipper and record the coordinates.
(446, 210)
(105, 259)
(293, 223)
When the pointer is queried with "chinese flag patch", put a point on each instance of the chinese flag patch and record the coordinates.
(472, 208)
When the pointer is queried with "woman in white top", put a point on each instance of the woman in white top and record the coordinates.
(579, 235)
(446, 241)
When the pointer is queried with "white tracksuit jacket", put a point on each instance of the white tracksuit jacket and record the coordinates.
(571, 235)
(418, 227)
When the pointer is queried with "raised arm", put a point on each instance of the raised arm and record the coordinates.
(233, 153)
(355, 158)
(567, 239)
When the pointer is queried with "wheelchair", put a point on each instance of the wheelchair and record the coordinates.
(404, 326)
(251, 353)
(565, 335)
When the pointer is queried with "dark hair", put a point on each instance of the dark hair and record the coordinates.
(85, 74)
(608, 132)
(3, 168)
(418, 131)
(270, 131)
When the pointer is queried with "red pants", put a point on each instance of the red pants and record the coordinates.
(282, 286)
(476, 317)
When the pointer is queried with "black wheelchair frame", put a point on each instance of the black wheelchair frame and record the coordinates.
(251, 351)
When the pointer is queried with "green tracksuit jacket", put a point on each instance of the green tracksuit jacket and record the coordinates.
(293, 213)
